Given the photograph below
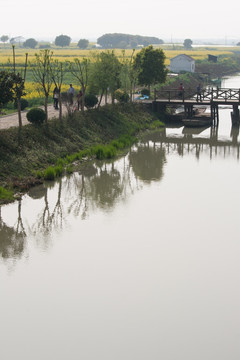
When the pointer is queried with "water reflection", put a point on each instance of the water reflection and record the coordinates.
(147, 162)
(12, 238)
(102, 185)
(192, 140)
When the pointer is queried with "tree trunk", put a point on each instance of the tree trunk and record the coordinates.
(83, 98)
(60, 107)
(100, 100)
(19, 113)
(46, 107)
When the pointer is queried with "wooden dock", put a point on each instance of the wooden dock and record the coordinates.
(212, 97)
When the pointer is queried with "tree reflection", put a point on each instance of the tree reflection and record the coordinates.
(12, 239)
(106, 187)
(147, 162)
(49, 219)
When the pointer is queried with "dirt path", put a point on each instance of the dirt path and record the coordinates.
(8, 121)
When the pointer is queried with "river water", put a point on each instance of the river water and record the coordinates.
(131, 260)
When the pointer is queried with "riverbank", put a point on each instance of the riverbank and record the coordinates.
(24, 156)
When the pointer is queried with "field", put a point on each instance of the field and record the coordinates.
(72, 52)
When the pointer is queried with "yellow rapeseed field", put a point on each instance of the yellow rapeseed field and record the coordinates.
(69, 54)
(33, 91)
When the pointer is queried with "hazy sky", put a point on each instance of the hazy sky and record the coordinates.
(170, 19)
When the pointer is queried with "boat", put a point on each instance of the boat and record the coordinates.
(198, 122)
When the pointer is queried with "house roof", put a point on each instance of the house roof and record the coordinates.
(183, 55)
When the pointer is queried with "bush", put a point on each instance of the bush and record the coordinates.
(90, 100)
(49, 173)
(5, 194)
(36, 116)
(24, 104)
(145, 92)
(121, 96)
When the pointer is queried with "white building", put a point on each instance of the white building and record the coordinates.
(182, 62)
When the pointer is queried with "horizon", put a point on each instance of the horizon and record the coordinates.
(175, 19)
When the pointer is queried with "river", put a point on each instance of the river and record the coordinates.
(134, 259)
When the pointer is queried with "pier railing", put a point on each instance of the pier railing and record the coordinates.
(207, 94)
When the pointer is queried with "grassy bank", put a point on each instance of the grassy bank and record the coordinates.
(44, 152)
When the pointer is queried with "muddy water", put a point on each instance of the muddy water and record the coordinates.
(132, 259)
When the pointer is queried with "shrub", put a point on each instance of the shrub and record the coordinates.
(49, 173)
(24, 104)
(145, 92)
(121, 96)
(90, 100)
(58, 170)
(36, 116)
(5, 194)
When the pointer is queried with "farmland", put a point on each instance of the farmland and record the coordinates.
(72, 52)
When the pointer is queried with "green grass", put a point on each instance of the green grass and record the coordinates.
(6, 195)
(48, 151)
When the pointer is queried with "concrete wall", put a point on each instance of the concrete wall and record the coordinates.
(182, 63)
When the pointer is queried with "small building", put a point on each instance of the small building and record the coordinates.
(212, 58)
(182, 62)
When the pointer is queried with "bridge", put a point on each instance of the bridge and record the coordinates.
(213, 97)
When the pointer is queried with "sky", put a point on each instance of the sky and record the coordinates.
(168, 20)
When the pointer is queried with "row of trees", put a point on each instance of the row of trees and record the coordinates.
(101, 75)
(107, 41)
(61, 40)
(123, 41)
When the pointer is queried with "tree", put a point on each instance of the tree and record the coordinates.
(4, 38)
(42, 74)
(187, 44)
(128, 74)
(62, 40)
(30, 43)
(6, 88)
(150, 66)
(105, 74)
(58, 70)
(80, 70)
(116, 40)
(19, 85)
(83, 43)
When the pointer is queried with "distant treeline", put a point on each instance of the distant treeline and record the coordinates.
(126, 41)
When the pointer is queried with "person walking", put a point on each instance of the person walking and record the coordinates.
(55, 97)
(180, 90)
(71, 92)
(79, 98)
(199, 94)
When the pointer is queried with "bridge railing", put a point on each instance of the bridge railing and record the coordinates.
(207, 94)
(175, 94)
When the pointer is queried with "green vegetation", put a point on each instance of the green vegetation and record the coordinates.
(5, 195)
(48, 151)
(36, 116)
(90, 100)
(30, 43)
(150, 66)
(62, 40)
(83, 44)
(124, 41)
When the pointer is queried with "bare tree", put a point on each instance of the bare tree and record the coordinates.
(58, 70)
(80, 71)
(19, 84)
(42, 74)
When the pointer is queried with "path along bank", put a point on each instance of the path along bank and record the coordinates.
(25, 155)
